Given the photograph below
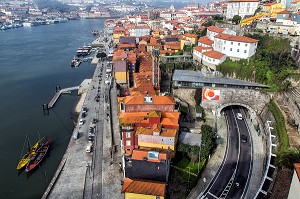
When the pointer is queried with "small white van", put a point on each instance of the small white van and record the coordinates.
(89, 148)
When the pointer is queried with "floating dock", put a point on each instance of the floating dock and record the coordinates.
(58, 93)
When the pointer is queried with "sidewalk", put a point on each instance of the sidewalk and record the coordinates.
(216, 159)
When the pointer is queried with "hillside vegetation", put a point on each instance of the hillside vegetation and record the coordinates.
(271, 64)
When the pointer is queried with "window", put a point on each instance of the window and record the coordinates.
(128, 134)
(238, 50)
(224, 48)
(231, 43)
(128, 142)
(245, 51)
(224, 42)
(246, 45)
(230, 49)
(213, 60)
(239, 44)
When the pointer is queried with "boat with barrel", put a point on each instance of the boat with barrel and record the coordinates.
(39, 155)
(28, 155)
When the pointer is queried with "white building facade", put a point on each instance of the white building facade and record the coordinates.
(239, 47)
(241, 8)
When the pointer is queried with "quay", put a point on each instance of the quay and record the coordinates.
(58, 93)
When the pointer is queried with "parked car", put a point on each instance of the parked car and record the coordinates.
(75, 135)
(81, 122)
(89, 148)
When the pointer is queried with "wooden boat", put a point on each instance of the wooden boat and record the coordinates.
(26, 158)
(39, 155)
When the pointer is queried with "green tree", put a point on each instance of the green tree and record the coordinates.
(101, 55)
(288, 157)
(236, 19)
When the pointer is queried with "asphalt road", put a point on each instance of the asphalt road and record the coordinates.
(237, 160)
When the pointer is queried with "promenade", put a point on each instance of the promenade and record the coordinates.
(92, 175)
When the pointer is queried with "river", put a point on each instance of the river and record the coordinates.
(33, 61)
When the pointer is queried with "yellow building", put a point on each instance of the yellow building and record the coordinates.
(273, 8)
(143, 189)
(118, 32)
(191, 38)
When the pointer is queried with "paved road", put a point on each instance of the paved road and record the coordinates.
(237, 161)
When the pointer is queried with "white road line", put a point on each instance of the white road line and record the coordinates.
(212, 195)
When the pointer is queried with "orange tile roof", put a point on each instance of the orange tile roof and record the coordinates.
(269, 4)
(235, 38)
(141, 154)
(165, 133)
(214, 54)
(173, 45)
(124, 45)
(190, 35)
(156, 100)
(206, 41)
(119, 54)
(202, 48)
(288, 18)
(297, 168)
(144, 187)
(215, 29)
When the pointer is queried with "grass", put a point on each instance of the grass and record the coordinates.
(279, 126)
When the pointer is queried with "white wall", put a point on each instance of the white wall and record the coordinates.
(241, 9)
(294, 192)
(234, 48)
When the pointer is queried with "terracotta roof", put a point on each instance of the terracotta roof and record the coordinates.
(206, 41)
(235, 38)
(190, 35)
(283, 12)
(297, 169)
(144, 187)
(215, 29)
(173, 45)
(156, 100)
(141, 154)
(214, 54)
(288, 18)
(147, 131)
(202, 48)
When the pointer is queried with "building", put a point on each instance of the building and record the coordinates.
(235, 47)
(147, 165)
(146, 103)
(294, 192)
(137, 189)
(241, 7)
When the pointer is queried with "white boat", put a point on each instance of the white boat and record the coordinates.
(26, 24)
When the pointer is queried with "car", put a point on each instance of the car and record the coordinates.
(239, 182)
(84, 110)
(83, 115)
(91, 139)
(244, 138)
(81, 122)
(89, 148)
(239, 116)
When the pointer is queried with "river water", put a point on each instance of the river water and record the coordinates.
(33, 61)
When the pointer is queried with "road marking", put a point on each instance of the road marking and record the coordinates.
(212, 195)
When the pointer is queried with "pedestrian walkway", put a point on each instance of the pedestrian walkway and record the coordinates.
(216, 159)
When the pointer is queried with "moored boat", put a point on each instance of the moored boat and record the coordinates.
(39, 155)
(26, 158)
(75, 62)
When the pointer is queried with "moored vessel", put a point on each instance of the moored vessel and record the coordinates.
(39, 155)
(27, 157)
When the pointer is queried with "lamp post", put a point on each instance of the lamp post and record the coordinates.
(199, 159)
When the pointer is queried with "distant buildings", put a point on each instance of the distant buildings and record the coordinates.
(241, 7)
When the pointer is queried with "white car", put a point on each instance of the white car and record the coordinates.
(239, 116)
(89, 148)
(81, 122)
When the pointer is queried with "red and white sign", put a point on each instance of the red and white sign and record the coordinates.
(210, 94)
